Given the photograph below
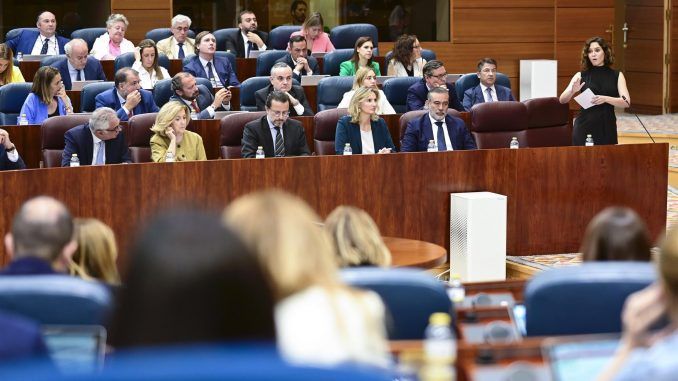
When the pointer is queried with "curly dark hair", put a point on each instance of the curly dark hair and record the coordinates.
(607, 49)
(403, 49)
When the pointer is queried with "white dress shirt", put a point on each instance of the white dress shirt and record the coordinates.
(52, 45)
(494, 93)
(12, 155)
(434, 127)
(367, 141)
(246, 41)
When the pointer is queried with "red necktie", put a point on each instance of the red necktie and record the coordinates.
(194, 106)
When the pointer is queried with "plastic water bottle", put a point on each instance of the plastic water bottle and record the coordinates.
(457, 292)
(260, 153)
(589, 140)
(514, 143)
(440, 349)
(75, 162)
(347, 149)
(169, 157)
(23, 120)
(19, 56)
(432, 146)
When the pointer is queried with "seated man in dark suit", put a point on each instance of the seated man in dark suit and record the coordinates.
(247, 38)
(79, 65)
(205, 63)
(297, 58)
(127, 97)
(202, 104)
(44, 41)
(98, 142)
(487, 90)
(9, 157)
(449, 133)
(278, 135)
(41, 240)
(281, 80)
(435, 75)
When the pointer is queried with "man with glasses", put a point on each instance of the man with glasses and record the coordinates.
(435, 75)
(487, 90)
(178, 45)
(281, 80)
(98, 142)
(278, 135)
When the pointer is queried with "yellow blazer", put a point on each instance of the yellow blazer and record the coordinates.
(190, 148)
(168, 47)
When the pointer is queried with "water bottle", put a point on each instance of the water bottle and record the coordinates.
(169, 157)
(514, 143)
(589, 140)
(75, 162)
(347, 149)
(19, 56)
(440, 349)
(23, 120)
(432, 146)
(260, 153)
(457, 292)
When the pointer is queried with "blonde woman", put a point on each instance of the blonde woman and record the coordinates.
(147, 65)
(365, 77)
(171, 136)
(97, 252)
(113, 43)
(356, 238)
(318, 319)
(317, 41)
(363, 129)
(8, 72)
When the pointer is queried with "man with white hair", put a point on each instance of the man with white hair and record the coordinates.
(178, 45)
(98, 142)
(44, 41)
(79, 65)
(281, 80)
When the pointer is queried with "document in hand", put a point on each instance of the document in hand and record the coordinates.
(584, 99)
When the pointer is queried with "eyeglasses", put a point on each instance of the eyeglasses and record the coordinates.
(183, 29)
(440, 76)
(114, 129)
(278, 114)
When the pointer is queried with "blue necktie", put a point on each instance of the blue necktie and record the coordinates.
(250, 47)
(181, 55)
(100, 154)
(441, 137)
(45, 45)
(210, 75)
(489, 94)
(79, 77)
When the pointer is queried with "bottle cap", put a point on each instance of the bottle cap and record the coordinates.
(440, 318)
(347, 144)
(260, 147)
(456, 276)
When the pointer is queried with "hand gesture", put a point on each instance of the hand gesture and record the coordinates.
(302, 63)
(4, 139)
(254, 38)
(169, 131)
(293, 100)
(133, 99)
(641, 310)
(223, 96)
(577, 85)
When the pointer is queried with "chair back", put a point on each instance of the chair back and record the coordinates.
(52, 60)
(266, 60)
(345, 36)
(164, 61)
(12, 97)
(408, 116)
(395, 90)
(247, 89)
(162, 92)
(410, 297)
(139, 136)
(280, 36)
(548, 123)
(231, 130)
(471, 80)
(583, 299)
(332, 60)
(493, 124)
(331, 91)
(88, 34)
(17, 31)
(426, 54)
(123, 60)
(52, 133)
(158, 34)
(325, 123)
(89, 93)
(221, 35)
(56, 299)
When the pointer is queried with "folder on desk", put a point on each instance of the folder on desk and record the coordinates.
(34, 57)
(311, 80)
(78, 85)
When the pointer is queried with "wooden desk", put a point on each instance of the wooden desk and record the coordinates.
(413, 253)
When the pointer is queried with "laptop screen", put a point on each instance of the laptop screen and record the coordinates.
(581, 360)
(76, 349)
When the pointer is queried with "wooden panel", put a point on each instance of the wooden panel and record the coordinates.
(646, 56)
(136, 4)
(645, 22)
(643, 96)
(673, 105)
(568, 55)
(646, 3)
(459, 4)
(508, 25)
(585, 3)
(579, 24)
(143, 20)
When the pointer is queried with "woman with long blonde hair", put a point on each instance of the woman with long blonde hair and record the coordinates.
(97, 252)
(356, 238)
(8, 72)
(365, 77)
(171, 136)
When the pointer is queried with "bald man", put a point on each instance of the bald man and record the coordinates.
(44, 41)
(41, 241)
(79, 65)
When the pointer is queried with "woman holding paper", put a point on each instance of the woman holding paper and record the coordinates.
(609, 91)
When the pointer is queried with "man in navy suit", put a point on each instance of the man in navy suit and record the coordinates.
(127, 97)
(487, 90)
(448, 132)
(98, 142)
(247, 38)
(79, 66)
(220, 71)
(9, 157)
(297, 59)
(202, 104)
(44, 41)
(435, 75)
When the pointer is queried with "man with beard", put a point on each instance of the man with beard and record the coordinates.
(199, 99)
(247, 38)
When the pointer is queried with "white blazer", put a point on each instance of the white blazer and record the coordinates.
(100, 46)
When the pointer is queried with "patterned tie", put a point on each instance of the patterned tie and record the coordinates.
(250, 48)
(194, 106)
(79, 77)
(279, 144)
(45, 45)
(441, 137)
(489, 94)
(210, 73)
(100, 154)
(182, 55)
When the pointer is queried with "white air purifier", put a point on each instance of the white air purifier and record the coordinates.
(478, 236)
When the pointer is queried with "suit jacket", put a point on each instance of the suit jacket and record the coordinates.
(25, 41)
(92, 71)
(28, 265)
(224, 70)
(6, 164)
(348, 132)
(204, 100)
(475, 95)
(21, 338)
(257, 133)
(236, 45)
(312, 63)
(419, 132)
(417, 93)
(296, 91)
(79, 140)
(171, 50)
(36, 111)
(109, 98)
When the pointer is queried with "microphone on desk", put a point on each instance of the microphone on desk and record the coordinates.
(641, 122)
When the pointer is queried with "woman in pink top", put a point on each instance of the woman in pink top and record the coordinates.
(316, 39)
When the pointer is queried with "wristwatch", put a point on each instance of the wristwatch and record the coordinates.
(10, 149)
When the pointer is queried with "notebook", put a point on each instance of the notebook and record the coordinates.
(579, 358)
(311, 80)
(76, 349)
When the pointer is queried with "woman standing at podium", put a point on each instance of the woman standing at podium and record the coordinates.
(609, 89)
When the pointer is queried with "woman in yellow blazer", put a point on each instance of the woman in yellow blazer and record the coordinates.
(8, 72)
(171, 136)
